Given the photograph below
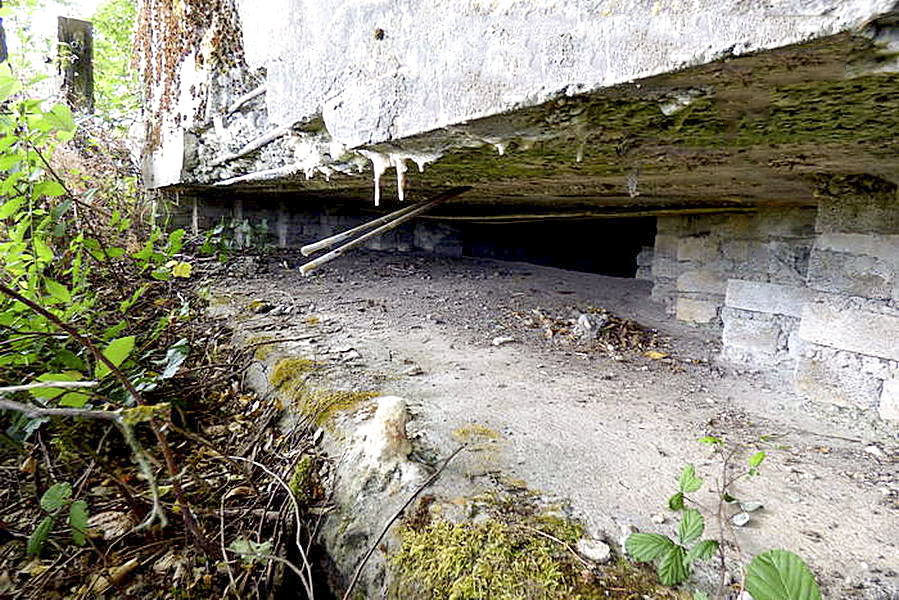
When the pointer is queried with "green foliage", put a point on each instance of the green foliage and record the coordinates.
(772, 575)
(780, 575)
(56, 501)
(115, 82)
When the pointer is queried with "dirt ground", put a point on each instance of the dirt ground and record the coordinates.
(491, 347)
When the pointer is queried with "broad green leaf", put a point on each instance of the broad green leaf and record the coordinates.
(780, 575)
(174, 242)
(9, 84)
(74, 400)
(58, 290)
(711, 440)
(52, 189)
(702, 551)
(756, 459)
(672, 568)
(60, 118)
(39, 536)
(56, 496)
(688, 481)
(691, 526)
(251, 550)
(116, 353)
(646, 547)
(676, 502)
(78, 522)
(50, 393)
(11, 207)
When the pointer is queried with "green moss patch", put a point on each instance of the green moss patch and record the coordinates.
(506, 559)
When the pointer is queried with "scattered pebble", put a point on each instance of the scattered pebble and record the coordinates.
(499, 341)
(595, 550)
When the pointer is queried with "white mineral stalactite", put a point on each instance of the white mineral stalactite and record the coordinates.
(381, 162)
(399, 163)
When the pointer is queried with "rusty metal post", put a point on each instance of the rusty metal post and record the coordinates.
(76, 62)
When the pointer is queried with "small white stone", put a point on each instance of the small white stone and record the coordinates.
(659, 518)
(874, 451)
(499, 341)
(593, 549)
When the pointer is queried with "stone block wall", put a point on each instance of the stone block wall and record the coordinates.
(696, 255)
(811, 292)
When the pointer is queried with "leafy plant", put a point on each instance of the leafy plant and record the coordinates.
(772, 575)
(780, 575)
(56, 502)
(676, 558)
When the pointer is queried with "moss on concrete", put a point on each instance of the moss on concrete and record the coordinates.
(302, 482)
(509, 559)
(292, 372)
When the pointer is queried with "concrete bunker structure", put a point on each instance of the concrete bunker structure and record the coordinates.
(752, 146)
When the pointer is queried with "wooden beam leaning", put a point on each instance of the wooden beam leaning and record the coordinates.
(406, 215)
(350, 233)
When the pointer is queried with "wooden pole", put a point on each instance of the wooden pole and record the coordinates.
(340, 237)
(396, 222)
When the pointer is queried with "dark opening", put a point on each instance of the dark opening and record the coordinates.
(604, 246)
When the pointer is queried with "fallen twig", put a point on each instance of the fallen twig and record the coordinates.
(396, 516)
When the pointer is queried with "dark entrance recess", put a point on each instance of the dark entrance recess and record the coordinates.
(604, 246)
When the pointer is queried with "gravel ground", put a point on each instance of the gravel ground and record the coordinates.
(603, 423)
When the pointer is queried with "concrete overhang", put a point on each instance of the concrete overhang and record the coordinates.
(542, 105)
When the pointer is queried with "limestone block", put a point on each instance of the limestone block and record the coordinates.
(788, 222)
(643, 273)
(856, 275)
(665, 246)
(670, 225)
(874, 212)
(788, 261)
(645, 256)
(888, 407)
(861, 331)
(383, 439)
(665, 268)
(771, 298)
(752, 340)
(692, 310)
(825, 380)
(701, 249)
(701, 280)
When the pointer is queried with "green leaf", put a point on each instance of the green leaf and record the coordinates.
(39, 536)
(51, 189)
(11, 207)
(646, 547)
(672, 568)
(74, 400)
(691, 526)
(56, 496)
(704, 550)
(116, 352)
(60, 118)
(697, 595)
(676, 502)
(78, 522)
(9, 84)
(174, 242)
(756, 459)
(711, 440)
(780, 575)
(50, 393)
(688, 481)
(58, 291)
(251, 550)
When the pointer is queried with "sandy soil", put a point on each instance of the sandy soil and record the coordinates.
(604, 429)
